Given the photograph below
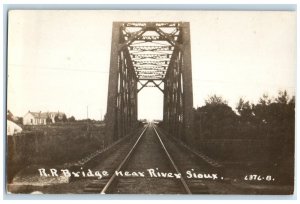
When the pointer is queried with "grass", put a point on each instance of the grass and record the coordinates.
(53, 144)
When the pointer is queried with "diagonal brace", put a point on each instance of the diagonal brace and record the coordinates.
(143, 85)
(158, 85)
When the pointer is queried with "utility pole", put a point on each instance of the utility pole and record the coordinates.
(101, 115)
(87, 122)
(87, 112)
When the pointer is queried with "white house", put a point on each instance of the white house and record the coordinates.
(35, 118)
(41, 118)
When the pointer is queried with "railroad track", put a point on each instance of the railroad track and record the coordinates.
(108, 185)
(103, 185)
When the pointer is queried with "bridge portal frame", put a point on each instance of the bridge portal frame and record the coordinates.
(122, 106)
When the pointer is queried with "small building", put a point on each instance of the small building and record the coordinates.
(42, 118)
(35, 118)
(12, 128)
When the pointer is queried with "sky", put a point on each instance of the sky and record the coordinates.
(59, 60)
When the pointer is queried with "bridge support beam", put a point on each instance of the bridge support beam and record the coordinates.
(178, 90)
(188, 119)
(121, 114)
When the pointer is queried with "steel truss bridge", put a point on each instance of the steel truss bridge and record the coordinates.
(150, 54)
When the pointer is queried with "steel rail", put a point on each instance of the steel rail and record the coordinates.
(187, 189)
(111, 180)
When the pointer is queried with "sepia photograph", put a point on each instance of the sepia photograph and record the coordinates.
(150, 102)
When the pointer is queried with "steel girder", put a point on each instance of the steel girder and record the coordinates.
(121, 115)
(148, 54)
(178, 90)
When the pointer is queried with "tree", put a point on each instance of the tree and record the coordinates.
(292, 101)
(56, 118)
(60, 118)
(275, 118)
(48, 120)
(244, 109)
(71, 119)
(261, 110)
(265, 100)
(215, 119)
(64, 118)
(9, 115)
(276, 111)
(215, 100)
(270, 124)
(19, 120)
(282, 97)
